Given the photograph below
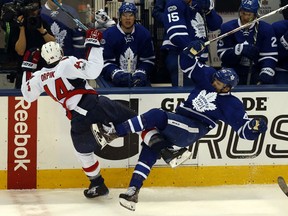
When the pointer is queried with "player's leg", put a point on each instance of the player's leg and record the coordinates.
(147, 158)
(85, 145)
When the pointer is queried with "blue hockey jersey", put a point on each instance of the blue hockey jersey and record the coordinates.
(280, 28)
(127, 51)
(66, 32)
(265, 42)
(183, 24)
(208, 106)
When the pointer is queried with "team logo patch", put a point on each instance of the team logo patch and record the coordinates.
(172, 8)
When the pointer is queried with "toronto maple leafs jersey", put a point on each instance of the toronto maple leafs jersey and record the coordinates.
(265, 42)
(66, 82)
(127, 51)
(183, 24)
(66, 32)
(208, 106)
(280, 28)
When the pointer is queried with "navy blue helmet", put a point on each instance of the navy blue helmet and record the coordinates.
(228, 76)
(128, 7)
(249, 6)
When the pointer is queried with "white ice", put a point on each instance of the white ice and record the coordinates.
(248, 200)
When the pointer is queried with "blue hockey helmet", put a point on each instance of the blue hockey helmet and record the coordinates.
(228, 76)
(128, 7)
(250, 6)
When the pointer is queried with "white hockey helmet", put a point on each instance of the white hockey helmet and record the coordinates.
(51, 52)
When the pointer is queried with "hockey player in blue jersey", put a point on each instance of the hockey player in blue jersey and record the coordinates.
(252, 52)
(185, 21)
(281, 32)
(128, 50)
(67, 33)
(209, 102)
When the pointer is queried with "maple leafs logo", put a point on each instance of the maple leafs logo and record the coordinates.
(128, 61)
(59, 35)
(204, 101)
(199, 26)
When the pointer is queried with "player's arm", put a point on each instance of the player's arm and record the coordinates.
(175, 25)
(245, 127)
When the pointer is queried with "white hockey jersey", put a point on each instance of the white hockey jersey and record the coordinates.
(67, 81)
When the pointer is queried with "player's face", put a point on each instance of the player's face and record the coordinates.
(127, 21)
(220, 87)
(246, 17)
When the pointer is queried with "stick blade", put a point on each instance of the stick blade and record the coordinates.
(282, 184)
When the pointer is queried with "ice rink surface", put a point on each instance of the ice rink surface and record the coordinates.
(248, 200)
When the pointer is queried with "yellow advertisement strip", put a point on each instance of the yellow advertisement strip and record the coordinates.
(165, 176)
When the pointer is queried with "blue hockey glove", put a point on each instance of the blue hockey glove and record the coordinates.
(258, 125)
(247, 50)
(203, 5)
(139, 78)
(93, 38)
(121, 78)
(266, 76)
(195, 48)
(30, 60)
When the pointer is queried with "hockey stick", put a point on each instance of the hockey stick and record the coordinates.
(245, 25)
(282, 184)
(77, 21)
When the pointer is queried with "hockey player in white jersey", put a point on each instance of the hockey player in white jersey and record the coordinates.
(66, 82)
(252, 52)
(210, 101)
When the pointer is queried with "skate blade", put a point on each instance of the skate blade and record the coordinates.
(127, 204)
(282, 184)
(180, 159)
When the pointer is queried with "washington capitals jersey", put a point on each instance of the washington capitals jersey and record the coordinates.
(280, 28)
(127, 51)
(66, 82)
(208, 106)
(66, 32)
(183, 24)
(265, 41)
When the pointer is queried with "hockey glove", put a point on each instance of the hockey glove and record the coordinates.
(30, 60)
(258, 125)
(266, 76)
(194, 48)
(247, 50)
(139, 78)
(121, 78)
(284, 40)
(93, 38)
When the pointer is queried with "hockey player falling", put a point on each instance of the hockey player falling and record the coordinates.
(209, 102)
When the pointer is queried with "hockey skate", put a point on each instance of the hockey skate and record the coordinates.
(96, 191)
(175, 157)
(129, 198)
(104, 134)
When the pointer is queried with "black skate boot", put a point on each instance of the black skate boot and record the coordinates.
(129, 198)
(175, 157)
(95, 189)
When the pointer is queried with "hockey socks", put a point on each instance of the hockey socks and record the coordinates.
(151, 119)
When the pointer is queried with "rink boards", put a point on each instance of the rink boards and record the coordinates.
(37, 151)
